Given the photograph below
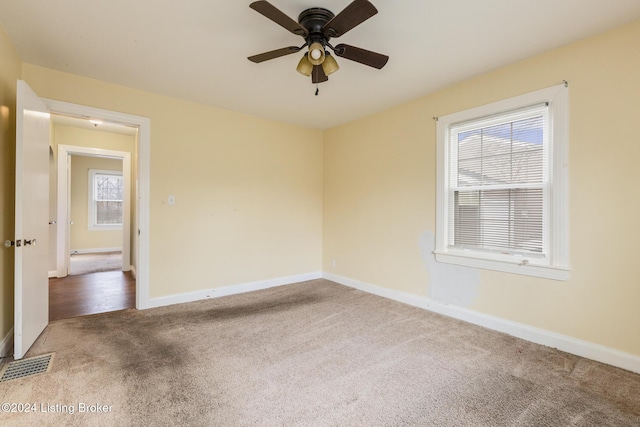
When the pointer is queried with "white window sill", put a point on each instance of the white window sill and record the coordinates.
(105, 227)
(512, 265)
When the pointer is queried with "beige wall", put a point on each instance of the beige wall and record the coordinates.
(81, 137)
(257, 199)
(81, 236)
(379, 194)
(248, 191)
(10, 71)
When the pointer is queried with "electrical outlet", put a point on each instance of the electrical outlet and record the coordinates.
(171, 200)
(333, 263)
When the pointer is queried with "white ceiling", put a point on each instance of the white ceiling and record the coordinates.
(197, 50)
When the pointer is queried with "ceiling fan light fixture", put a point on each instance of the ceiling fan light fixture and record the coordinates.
(317, 25)
(316, 53)
(329, 65)
(305, 67)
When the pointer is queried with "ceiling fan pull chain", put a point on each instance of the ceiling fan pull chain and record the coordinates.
(317, 90)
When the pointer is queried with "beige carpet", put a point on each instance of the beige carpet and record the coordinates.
(93, 263)
(312, 354)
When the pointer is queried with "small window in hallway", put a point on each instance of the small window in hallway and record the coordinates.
(106, 201)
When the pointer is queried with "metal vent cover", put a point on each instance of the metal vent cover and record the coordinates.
(26, 367)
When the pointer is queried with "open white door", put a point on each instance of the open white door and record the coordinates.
(32, 219)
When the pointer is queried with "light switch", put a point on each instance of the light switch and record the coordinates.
(171, 200)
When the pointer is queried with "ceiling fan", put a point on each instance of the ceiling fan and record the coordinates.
(317, 26)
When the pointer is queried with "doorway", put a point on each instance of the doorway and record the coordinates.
(90, 153)
(94, 202)
(96, 210)
(94, 188)
(139, 256)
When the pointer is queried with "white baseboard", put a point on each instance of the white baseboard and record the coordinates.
(132, 269)
(231, 290)
(95, 250)
(589, 350)
(53, 274)
(6, 344)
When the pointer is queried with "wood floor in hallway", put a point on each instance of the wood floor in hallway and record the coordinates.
(91, 293)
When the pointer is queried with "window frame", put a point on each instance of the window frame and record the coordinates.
(555, 263)
(92, 224)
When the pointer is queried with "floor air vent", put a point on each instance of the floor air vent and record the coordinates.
(26, 367)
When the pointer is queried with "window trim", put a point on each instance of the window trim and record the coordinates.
(556, 265)
(91, 221)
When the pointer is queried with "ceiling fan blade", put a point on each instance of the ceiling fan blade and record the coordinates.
(363, 56)
(353, 15)
(318, 75)
(261, 57)
(276, 15)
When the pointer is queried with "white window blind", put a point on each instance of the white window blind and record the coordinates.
(498, 183)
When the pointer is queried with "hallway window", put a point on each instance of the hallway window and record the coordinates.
(106, 204)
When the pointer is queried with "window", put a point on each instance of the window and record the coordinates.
(502, 185)
(106, 205)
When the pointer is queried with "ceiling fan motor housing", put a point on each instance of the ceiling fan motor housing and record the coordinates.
(314, 20)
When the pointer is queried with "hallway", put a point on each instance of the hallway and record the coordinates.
(92, 293)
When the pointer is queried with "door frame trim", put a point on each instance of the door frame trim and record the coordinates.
(143, 162)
